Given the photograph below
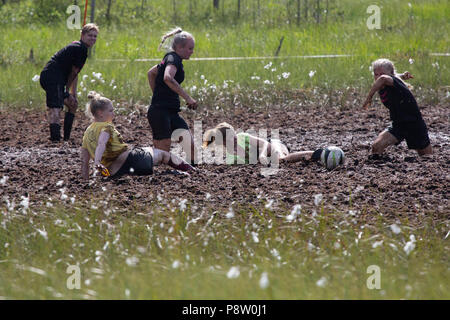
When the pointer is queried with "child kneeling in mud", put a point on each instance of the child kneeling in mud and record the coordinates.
(103, 143)
(244, 148)
(407, 121)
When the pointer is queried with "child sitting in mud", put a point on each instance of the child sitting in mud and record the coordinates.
(407, 122)
(244, 148)
(103, 143)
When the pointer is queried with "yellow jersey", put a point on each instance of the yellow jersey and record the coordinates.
(114, 147)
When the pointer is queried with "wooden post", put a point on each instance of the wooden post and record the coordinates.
(239, 8)
(288, 10)
(298, 12)
(91, 50)
(317, 11)
(108, 11)
(92, 11)
(174, 11)
(279, 46)
(306, 10)
(259, 8)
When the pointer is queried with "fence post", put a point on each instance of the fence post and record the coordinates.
(108, 11)
(239, 8)
(174, 11)
(92, 11)
(306, 10)
(91, 50)
(317, 11)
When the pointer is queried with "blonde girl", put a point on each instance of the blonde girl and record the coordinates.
(104, 144)
(165, 82)
(244, 148)
(407, 122)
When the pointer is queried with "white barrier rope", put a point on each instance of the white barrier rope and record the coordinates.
(238, 58)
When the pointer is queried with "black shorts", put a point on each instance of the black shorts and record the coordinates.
(415, 134)
(139, 162)
(55, 91)
(164, 122)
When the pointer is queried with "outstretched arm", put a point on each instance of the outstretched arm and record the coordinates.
(297, 156)
(381, 82)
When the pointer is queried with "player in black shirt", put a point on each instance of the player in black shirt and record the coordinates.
(60, 75)
(407, 121)
(165, 79)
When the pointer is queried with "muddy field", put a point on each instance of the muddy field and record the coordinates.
(401, 184)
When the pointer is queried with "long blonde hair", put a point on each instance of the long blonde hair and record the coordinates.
(179, 37)
(96, 102)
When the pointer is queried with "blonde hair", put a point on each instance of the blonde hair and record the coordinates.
(179, 38)
(388, 66)
(89, 27)
(96, 102)
(225, 129)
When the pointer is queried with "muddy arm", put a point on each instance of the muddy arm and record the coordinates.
(381, 82)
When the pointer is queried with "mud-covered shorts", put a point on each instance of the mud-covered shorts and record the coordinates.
(164, 122)
(55, 91)
(415, 133)
(139, 162)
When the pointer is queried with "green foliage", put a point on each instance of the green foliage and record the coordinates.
(407, 33)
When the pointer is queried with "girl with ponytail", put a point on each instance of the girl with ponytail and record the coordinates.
(104, 144)
(165, 82)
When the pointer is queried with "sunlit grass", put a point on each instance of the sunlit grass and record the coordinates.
(400, 39)
(175, 250)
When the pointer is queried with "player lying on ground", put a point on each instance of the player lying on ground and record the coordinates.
(60, 75)
(407, 121)
(244, 148)
(165, 82)
(103, 143)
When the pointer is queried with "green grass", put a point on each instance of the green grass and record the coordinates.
(99, 236)
(407, 33)
(135, 250)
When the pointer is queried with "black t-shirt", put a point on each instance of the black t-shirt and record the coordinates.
(60, 65)
(401, 103)
(163, 96)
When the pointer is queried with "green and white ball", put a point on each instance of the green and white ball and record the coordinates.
(331, 157)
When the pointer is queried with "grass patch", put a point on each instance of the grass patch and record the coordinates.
(407, 33)
(176, 250)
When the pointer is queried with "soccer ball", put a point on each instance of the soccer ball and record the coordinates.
(331, 157)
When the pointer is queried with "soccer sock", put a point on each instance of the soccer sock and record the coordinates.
(68, 121)
(183, 166)
(316, 155)
(55, 132)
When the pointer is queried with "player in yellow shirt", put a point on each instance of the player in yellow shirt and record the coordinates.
(103, 143)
